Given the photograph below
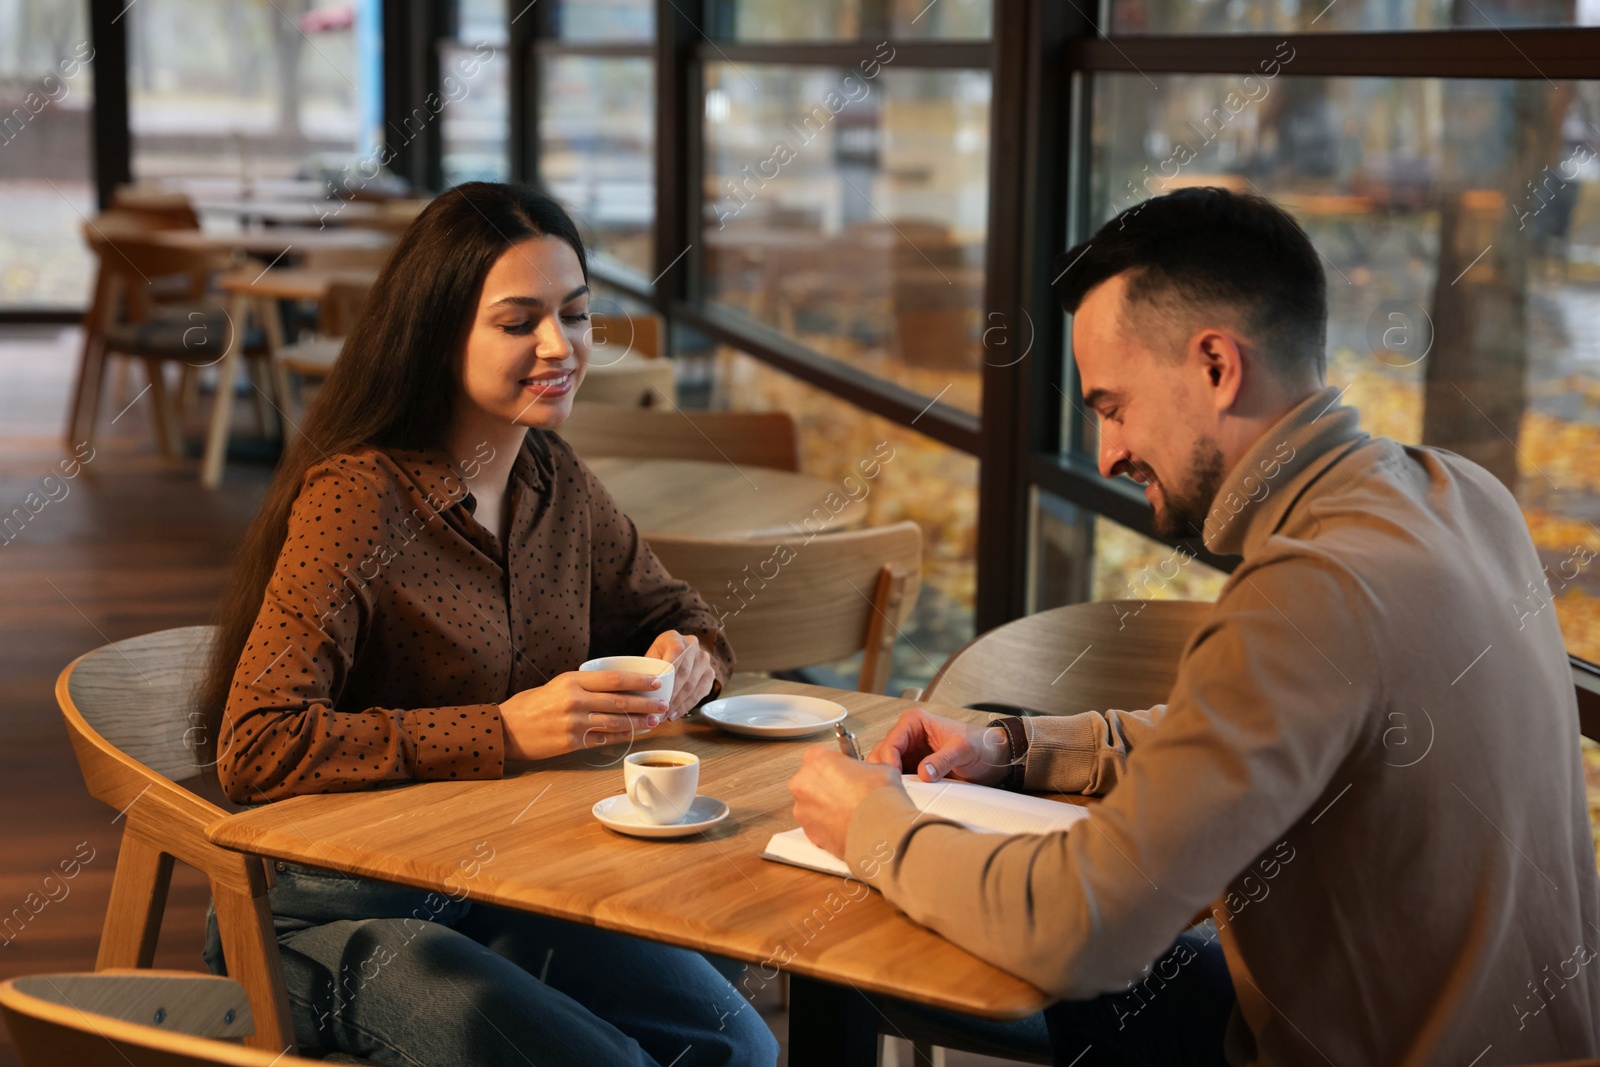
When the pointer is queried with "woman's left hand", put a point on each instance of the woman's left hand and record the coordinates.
(694, 673)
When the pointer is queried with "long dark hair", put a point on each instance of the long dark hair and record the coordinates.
(394, 384)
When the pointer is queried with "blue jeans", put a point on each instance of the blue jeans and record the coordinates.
(409, 978)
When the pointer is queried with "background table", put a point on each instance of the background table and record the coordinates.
(693, 498)
(710, 891)
(274, 241)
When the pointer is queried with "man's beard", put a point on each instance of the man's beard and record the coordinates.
(1184, 506)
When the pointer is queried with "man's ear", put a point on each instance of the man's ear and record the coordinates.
(1222, 364)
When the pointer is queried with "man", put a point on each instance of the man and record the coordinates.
(1367, 771)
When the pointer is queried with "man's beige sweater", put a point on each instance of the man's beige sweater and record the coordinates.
(1367, 769)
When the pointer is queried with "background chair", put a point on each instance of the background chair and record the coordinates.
(312, 358)
(788, 602)
(632, 381)
(132, 1019)
(1082, 657)
(131, 715)
(128, 319)
(753, 438)
(632, 334)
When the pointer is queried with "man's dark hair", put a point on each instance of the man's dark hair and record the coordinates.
(1208, 247)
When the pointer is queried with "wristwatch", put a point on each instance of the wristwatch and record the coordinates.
(1017, 749)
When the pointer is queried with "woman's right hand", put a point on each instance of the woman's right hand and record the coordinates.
(936, 747)
(579, 709)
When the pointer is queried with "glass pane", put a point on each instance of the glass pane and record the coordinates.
(482, 20)
(925, 481)
(605, 20)
(46, 102)
(596, 140)
(1459, 223)
(473, 79)
(777, 20)
(849, 210)
(1311, 16)
(236, 89)
(1078, 556)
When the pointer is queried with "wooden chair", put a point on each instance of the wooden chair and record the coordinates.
(1082, 657)
(127, 321)
(131, 715)
(753, 438)
(132, 1019)
(615, 336)
(130, 221)
(787, 603)
(164, 209)
(311, 359)
(633, 381)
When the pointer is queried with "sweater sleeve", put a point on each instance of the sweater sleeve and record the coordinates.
(282, 732)
(1267, 704)
(1084, 753)
(634, 600)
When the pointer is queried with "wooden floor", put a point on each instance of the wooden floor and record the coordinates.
(134, 544)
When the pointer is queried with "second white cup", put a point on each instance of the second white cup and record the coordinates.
(661, 784)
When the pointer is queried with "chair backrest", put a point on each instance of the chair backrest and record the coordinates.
(633, 381)
(797, 602)
(1082, 657)
(616, 336)
(133, 264)
(162, 208)
(747, 438)
(120, 1018)
(341, 305)
(138, 697)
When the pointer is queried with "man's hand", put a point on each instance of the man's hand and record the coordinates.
(937, 747)
(829, 788)
(693, 673)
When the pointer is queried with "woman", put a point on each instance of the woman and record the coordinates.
(427, 572)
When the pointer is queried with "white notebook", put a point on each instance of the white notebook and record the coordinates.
(977, 807)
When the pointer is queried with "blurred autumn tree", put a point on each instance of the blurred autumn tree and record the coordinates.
(1498, 139)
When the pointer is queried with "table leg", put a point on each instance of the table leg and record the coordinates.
(830, 1025)
(222, 408)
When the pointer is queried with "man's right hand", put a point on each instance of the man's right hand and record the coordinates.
(938, 748)
(579, 709)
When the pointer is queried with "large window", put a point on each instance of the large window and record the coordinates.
(46, 102)
(251, 89)
(851, 209)
(474, 76)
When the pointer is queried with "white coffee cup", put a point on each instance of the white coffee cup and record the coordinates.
(638, 665)
(661, 784)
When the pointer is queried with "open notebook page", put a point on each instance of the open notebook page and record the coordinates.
(978, 807)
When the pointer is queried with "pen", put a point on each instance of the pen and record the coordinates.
(847, 741)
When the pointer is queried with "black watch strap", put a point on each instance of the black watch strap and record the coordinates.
(1017, 746)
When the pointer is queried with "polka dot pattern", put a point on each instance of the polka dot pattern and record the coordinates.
(394, 623)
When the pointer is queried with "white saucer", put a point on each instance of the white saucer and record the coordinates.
(619, 814)
(774, 714)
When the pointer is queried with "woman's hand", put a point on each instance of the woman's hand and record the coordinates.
(937, 747)
(694, 673)
(579, 709)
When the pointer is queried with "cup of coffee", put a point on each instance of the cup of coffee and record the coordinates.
(638, 665)
(661, 784)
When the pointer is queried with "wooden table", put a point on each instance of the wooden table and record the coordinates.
(710, 891)
(275, 241)
(693, 498)
(254, 292)
(312, 211)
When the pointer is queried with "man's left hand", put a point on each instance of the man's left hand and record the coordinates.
(829, 788)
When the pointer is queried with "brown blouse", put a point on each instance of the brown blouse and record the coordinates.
(395, 624)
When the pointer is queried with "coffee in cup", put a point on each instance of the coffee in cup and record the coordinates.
(661, 784)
